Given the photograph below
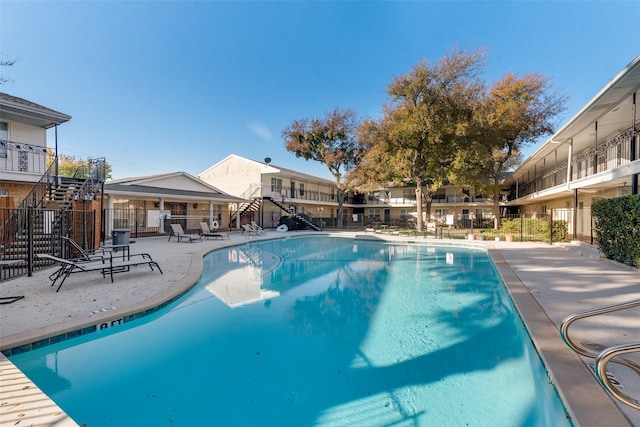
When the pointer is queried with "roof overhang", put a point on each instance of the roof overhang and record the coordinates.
(23, 111)
(611, 109)
(168, 193)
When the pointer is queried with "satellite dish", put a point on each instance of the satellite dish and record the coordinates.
(267, 160)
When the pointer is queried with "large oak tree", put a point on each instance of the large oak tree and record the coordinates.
(514, 112)
(331, 140)
(429, 113)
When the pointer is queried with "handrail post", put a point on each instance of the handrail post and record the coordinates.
(30, 213)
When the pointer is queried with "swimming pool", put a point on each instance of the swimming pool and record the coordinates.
(313, 331)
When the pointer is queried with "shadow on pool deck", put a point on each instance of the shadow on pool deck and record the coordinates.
(546, 282)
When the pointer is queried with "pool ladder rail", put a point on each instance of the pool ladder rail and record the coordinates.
(608, 354)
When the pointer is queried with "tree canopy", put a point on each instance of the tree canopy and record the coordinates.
(513, 113)
(331, 140)
(429, 112)
(73, 167)
(441, 123)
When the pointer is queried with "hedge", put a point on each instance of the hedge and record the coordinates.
(617, 227)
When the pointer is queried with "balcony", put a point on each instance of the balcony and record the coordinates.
(23, 159)
(614, 152)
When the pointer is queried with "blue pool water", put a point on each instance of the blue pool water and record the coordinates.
(313, 331)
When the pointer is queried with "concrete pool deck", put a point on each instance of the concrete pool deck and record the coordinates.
(547, 283)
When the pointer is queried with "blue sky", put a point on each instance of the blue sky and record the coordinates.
(165, 86)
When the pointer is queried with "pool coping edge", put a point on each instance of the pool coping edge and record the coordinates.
(587, 403)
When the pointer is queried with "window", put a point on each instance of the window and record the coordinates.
(374, 214)
(276, 185)
(301, 190)
(4, 138)
(409, 194)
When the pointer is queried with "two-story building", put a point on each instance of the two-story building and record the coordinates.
(594, 155)
(272, 188)
(274, 191)
(23, 145)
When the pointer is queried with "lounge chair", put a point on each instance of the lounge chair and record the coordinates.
(248, 231)
(180, 234)
(207, 233)
(108, 265)
(258, 230)
(83, 255)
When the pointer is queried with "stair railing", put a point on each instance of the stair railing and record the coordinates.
(91, 185)
(296, 216)
(16, 223)
(20, 222)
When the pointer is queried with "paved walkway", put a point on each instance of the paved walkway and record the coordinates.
(546, 282)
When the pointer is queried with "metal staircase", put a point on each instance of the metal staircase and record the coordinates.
(294, 215)
(247, 208)
(45, 213)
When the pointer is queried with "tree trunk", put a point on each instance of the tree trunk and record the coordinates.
(339, 211)
(428, 201)
(419, 221)
(496, 211)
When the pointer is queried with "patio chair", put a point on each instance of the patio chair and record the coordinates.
(108, 265)
(248, 231)
(259, 230)
(180, 234)
(206, 232)
(84, 255)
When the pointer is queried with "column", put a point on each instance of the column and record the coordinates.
(211, 214)
(633, 145)
(161, 225)
(109, 225)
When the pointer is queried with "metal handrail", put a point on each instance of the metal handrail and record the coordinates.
(606, 355)
(601, 371)
(566, 323)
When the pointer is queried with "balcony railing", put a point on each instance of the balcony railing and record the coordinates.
(292, 194)
(610, 154)
(19, 157)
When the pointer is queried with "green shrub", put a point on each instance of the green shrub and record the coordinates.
(617, 228)
(293, 223)
(536, 228)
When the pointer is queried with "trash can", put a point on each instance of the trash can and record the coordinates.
(120, 236)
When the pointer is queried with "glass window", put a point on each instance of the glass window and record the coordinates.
(374, 214)
(409, 194)
(276, 185)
